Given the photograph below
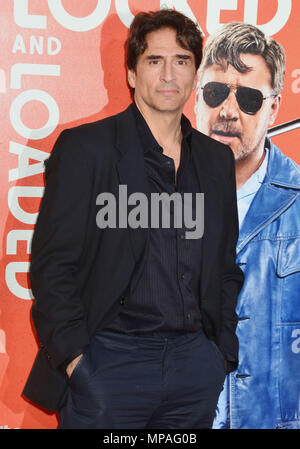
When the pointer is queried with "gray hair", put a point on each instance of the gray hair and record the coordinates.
(234, 38)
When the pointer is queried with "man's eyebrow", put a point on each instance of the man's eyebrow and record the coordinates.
(179, 56)
(184, 56)
(154, 57)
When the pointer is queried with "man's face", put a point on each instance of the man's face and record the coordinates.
(165, 74)
(244, 133)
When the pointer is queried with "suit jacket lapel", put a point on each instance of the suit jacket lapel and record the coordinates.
(210, 186)
(132, 173)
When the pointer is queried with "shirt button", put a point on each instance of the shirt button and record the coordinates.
(122, 301)
(182, 276)
(182, 236)
(188, 316)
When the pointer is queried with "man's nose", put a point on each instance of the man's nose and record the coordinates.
(167, 72)
(230, 108)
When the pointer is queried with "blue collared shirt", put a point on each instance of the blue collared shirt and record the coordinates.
(247, 192)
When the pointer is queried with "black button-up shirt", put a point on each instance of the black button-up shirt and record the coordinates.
(166, 298)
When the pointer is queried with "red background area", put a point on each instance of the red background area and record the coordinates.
(92, 85)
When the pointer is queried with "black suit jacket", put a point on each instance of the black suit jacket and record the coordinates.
(81, 274)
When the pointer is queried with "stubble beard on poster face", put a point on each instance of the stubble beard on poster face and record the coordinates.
(243, 149)
(247, 148)
(242, 152)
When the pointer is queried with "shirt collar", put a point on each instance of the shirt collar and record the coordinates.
(148, 140)
(254, 182)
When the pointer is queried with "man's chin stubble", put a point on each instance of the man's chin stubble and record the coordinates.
(241, 155)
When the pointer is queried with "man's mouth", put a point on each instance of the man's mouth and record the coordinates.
(168, 91)
(225, 134)
(226, 137)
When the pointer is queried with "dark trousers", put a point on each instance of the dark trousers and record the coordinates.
(144, 382)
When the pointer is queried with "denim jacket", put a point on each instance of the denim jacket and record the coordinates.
(264, 392)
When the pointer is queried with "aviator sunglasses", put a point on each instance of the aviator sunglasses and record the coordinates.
(249, 100)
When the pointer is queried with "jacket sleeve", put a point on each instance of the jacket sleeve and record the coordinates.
(57, 243)
(232, 275)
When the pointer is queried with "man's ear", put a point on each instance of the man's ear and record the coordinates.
(274, 109)
(131, 76)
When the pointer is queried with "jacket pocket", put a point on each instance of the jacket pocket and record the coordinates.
(288, 269)
(288, 257)
(289, 369)
(289, 425)
(78, 366)
(219, 355)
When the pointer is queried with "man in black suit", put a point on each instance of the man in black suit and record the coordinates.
(137, 323)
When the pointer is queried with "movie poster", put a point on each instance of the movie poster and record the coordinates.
(63, 65)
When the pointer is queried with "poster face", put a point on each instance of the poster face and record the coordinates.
(63, 64)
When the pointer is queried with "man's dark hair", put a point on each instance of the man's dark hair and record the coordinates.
(188, 34)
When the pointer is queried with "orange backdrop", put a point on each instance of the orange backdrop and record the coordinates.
(62, 65)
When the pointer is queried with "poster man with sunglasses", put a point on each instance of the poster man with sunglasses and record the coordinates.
(241, 77)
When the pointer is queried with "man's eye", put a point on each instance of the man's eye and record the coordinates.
(154, 61)
(181, 62)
